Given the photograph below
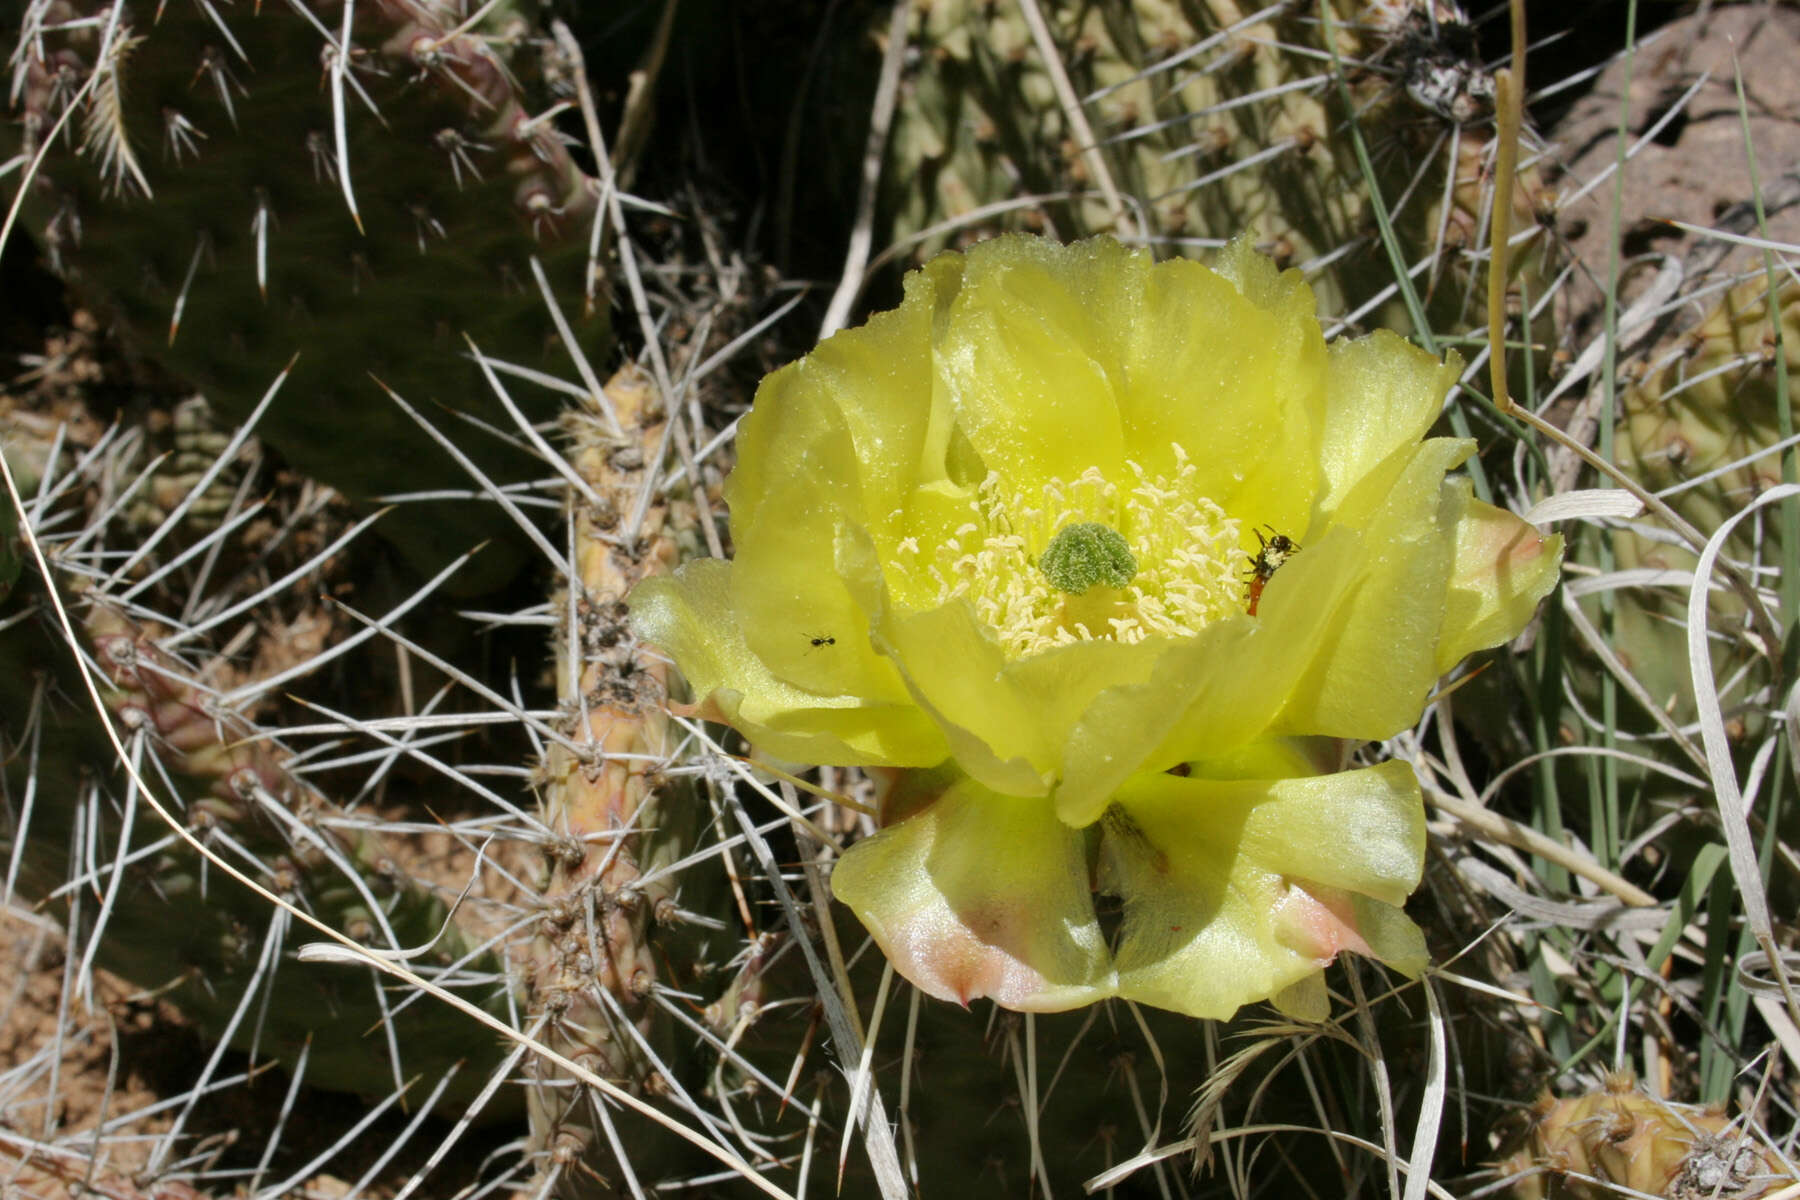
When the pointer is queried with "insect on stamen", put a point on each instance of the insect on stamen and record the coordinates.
(1271, 552)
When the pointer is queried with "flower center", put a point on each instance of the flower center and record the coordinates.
(1087, 558)
(1087, 555)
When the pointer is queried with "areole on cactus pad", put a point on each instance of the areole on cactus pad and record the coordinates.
(996, 546)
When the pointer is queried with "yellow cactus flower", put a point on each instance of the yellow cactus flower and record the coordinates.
(1100, 564)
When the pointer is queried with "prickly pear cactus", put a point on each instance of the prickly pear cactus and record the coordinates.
(649, 940)
(574, 956)
(238, 185)
(1700, 421)
(1205, 121)
(1591, 1146)
(155, 912)
(245, 796)
(618, 821)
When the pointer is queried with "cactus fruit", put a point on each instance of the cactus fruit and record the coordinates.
(197, 198)
(1589, 1147)
(1210, 120)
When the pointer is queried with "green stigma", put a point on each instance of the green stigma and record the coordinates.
(1085, 555)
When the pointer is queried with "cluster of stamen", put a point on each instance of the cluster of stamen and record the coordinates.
(1189, 561)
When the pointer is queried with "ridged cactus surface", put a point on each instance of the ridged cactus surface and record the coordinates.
(1202, 122)
(1699, 425)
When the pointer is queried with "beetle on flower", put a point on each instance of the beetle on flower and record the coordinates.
(1031, 490)
(1271, 552)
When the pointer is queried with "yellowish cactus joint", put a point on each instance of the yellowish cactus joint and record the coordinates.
(1027, 503)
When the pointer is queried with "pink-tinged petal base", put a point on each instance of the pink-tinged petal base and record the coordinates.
(1324, 921)
(978, 895)
(1317, 922)
(1503, 568)
(962, 956)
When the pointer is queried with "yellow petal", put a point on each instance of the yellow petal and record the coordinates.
(1372, 678)
(873, 385)
(1236, 379)
(1236, 891)
(834, 441)
(1009, 722)
(690, 616)
(1200, 696)
(1504, 567)
(1025, 356)
(1383, 394)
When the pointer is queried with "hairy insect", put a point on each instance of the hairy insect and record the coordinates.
(1271, 552)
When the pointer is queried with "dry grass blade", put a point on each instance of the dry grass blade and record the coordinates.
(887, 94)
